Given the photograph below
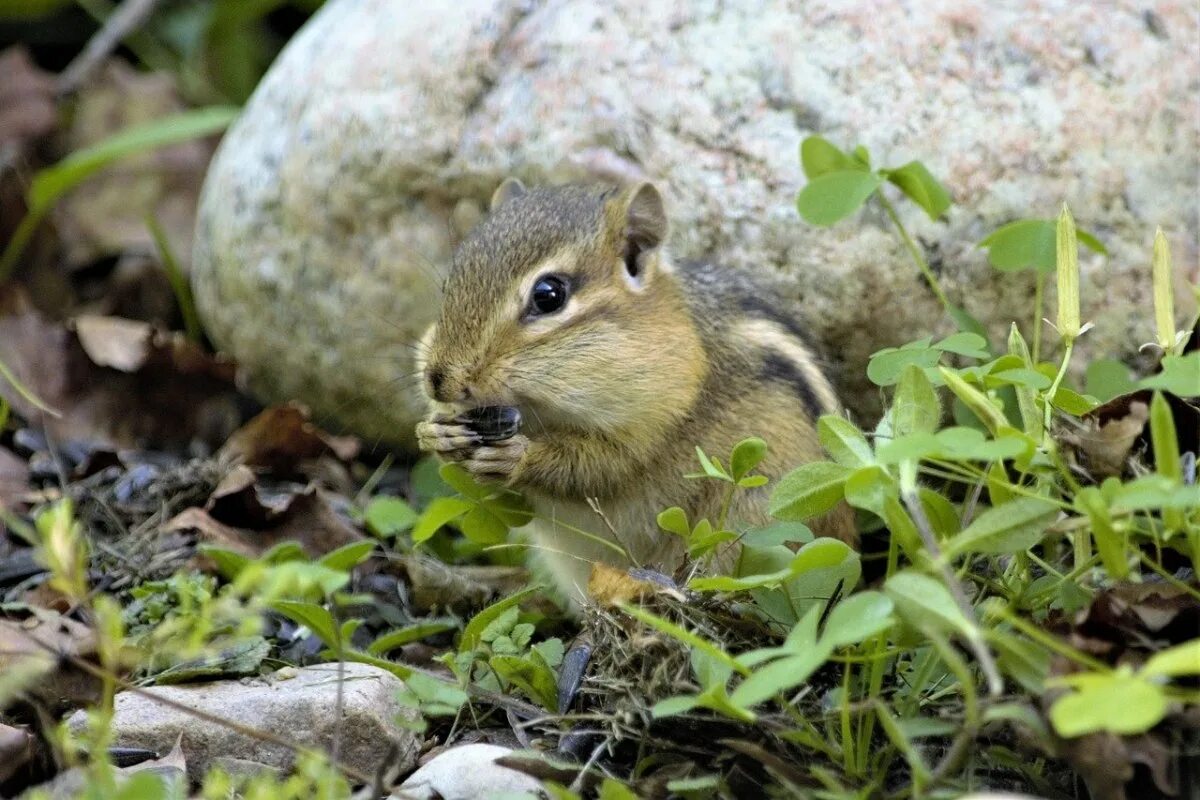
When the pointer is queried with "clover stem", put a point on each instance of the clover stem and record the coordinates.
(915, 253)
(1039, 296)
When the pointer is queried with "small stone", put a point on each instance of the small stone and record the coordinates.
(299, 709)
(466, 772)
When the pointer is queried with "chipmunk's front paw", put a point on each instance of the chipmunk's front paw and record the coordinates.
(497, 461)
(447, 438)
(451, 440)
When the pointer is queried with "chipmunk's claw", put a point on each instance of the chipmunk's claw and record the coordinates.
(497, 461)
(451, 441)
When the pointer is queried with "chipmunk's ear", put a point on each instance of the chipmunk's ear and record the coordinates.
(642, 219)
(506, 191)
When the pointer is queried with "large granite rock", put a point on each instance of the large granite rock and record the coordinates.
(384, 126)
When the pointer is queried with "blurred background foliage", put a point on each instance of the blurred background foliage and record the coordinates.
(217, 49)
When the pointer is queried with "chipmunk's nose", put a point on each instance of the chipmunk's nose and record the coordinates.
(445, 390)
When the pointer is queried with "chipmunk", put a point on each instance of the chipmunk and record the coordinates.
(563, 305)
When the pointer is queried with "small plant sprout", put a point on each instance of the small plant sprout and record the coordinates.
(1068, 327)
(839, 183)
(1169, 340)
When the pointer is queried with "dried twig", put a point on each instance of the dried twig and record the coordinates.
(125, 19)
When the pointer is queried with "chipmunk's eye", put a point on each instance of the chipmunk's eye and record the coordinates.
(549, 295)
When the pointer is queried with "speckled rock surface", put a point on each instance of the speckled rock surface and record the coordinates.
(300, 709)
(382, 126)
(466, 772)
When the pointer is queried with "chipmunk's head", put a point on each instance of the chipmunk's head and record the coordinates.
(563, 303)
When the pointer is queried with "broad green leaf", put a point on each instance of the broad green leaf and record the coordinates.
(918, 183)
(674, 705)
(747, 455)
(857, 618)
(1030, 243)
(1117, 702)
(1022, 377)
(718, 699)
(387, 517)
(822, 567)
(778, 533)
(779, 676)
(1107, 378)
(915, 408)
(1182, 659)
(1072, 402)
(885, 366)
(393, 640)
(312, 616)
(900, 524)
(426, 483)
(868, 487)
(461, 481)
(612, 789)
(674, 520)
(708, 671)
(348, 556)
(914, 447)
(818, 156)
(809, 491)
(835, 195)
(228, 563)
(1011, 528)
(1180, 376)
(712, 468)
(1166, 454)
(843, 441)
(1164, 440)
(922, 600)
(148, 785)
(1149, 492)
(1022, 660)
(961, 444)
(472, 633)
(943, 516)
(483, 527)
(968, 323)
(441, 511)
(964, 343)
(531, 675)
(1109, 543)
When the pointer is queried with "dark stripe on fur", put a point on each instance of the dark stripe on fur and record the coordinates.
(783, 370)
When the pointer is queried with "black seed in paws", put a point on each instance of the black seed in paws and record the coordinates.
(493, 423)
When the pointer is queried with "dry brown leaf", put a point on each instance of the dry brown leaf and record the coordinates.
(16, 750)
(282, 437)
(45, 636)
(14, 480)
(609, 586)
(165, 394)
(27, 107)
(1106, 444)
(123, 344)
(305, 517)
